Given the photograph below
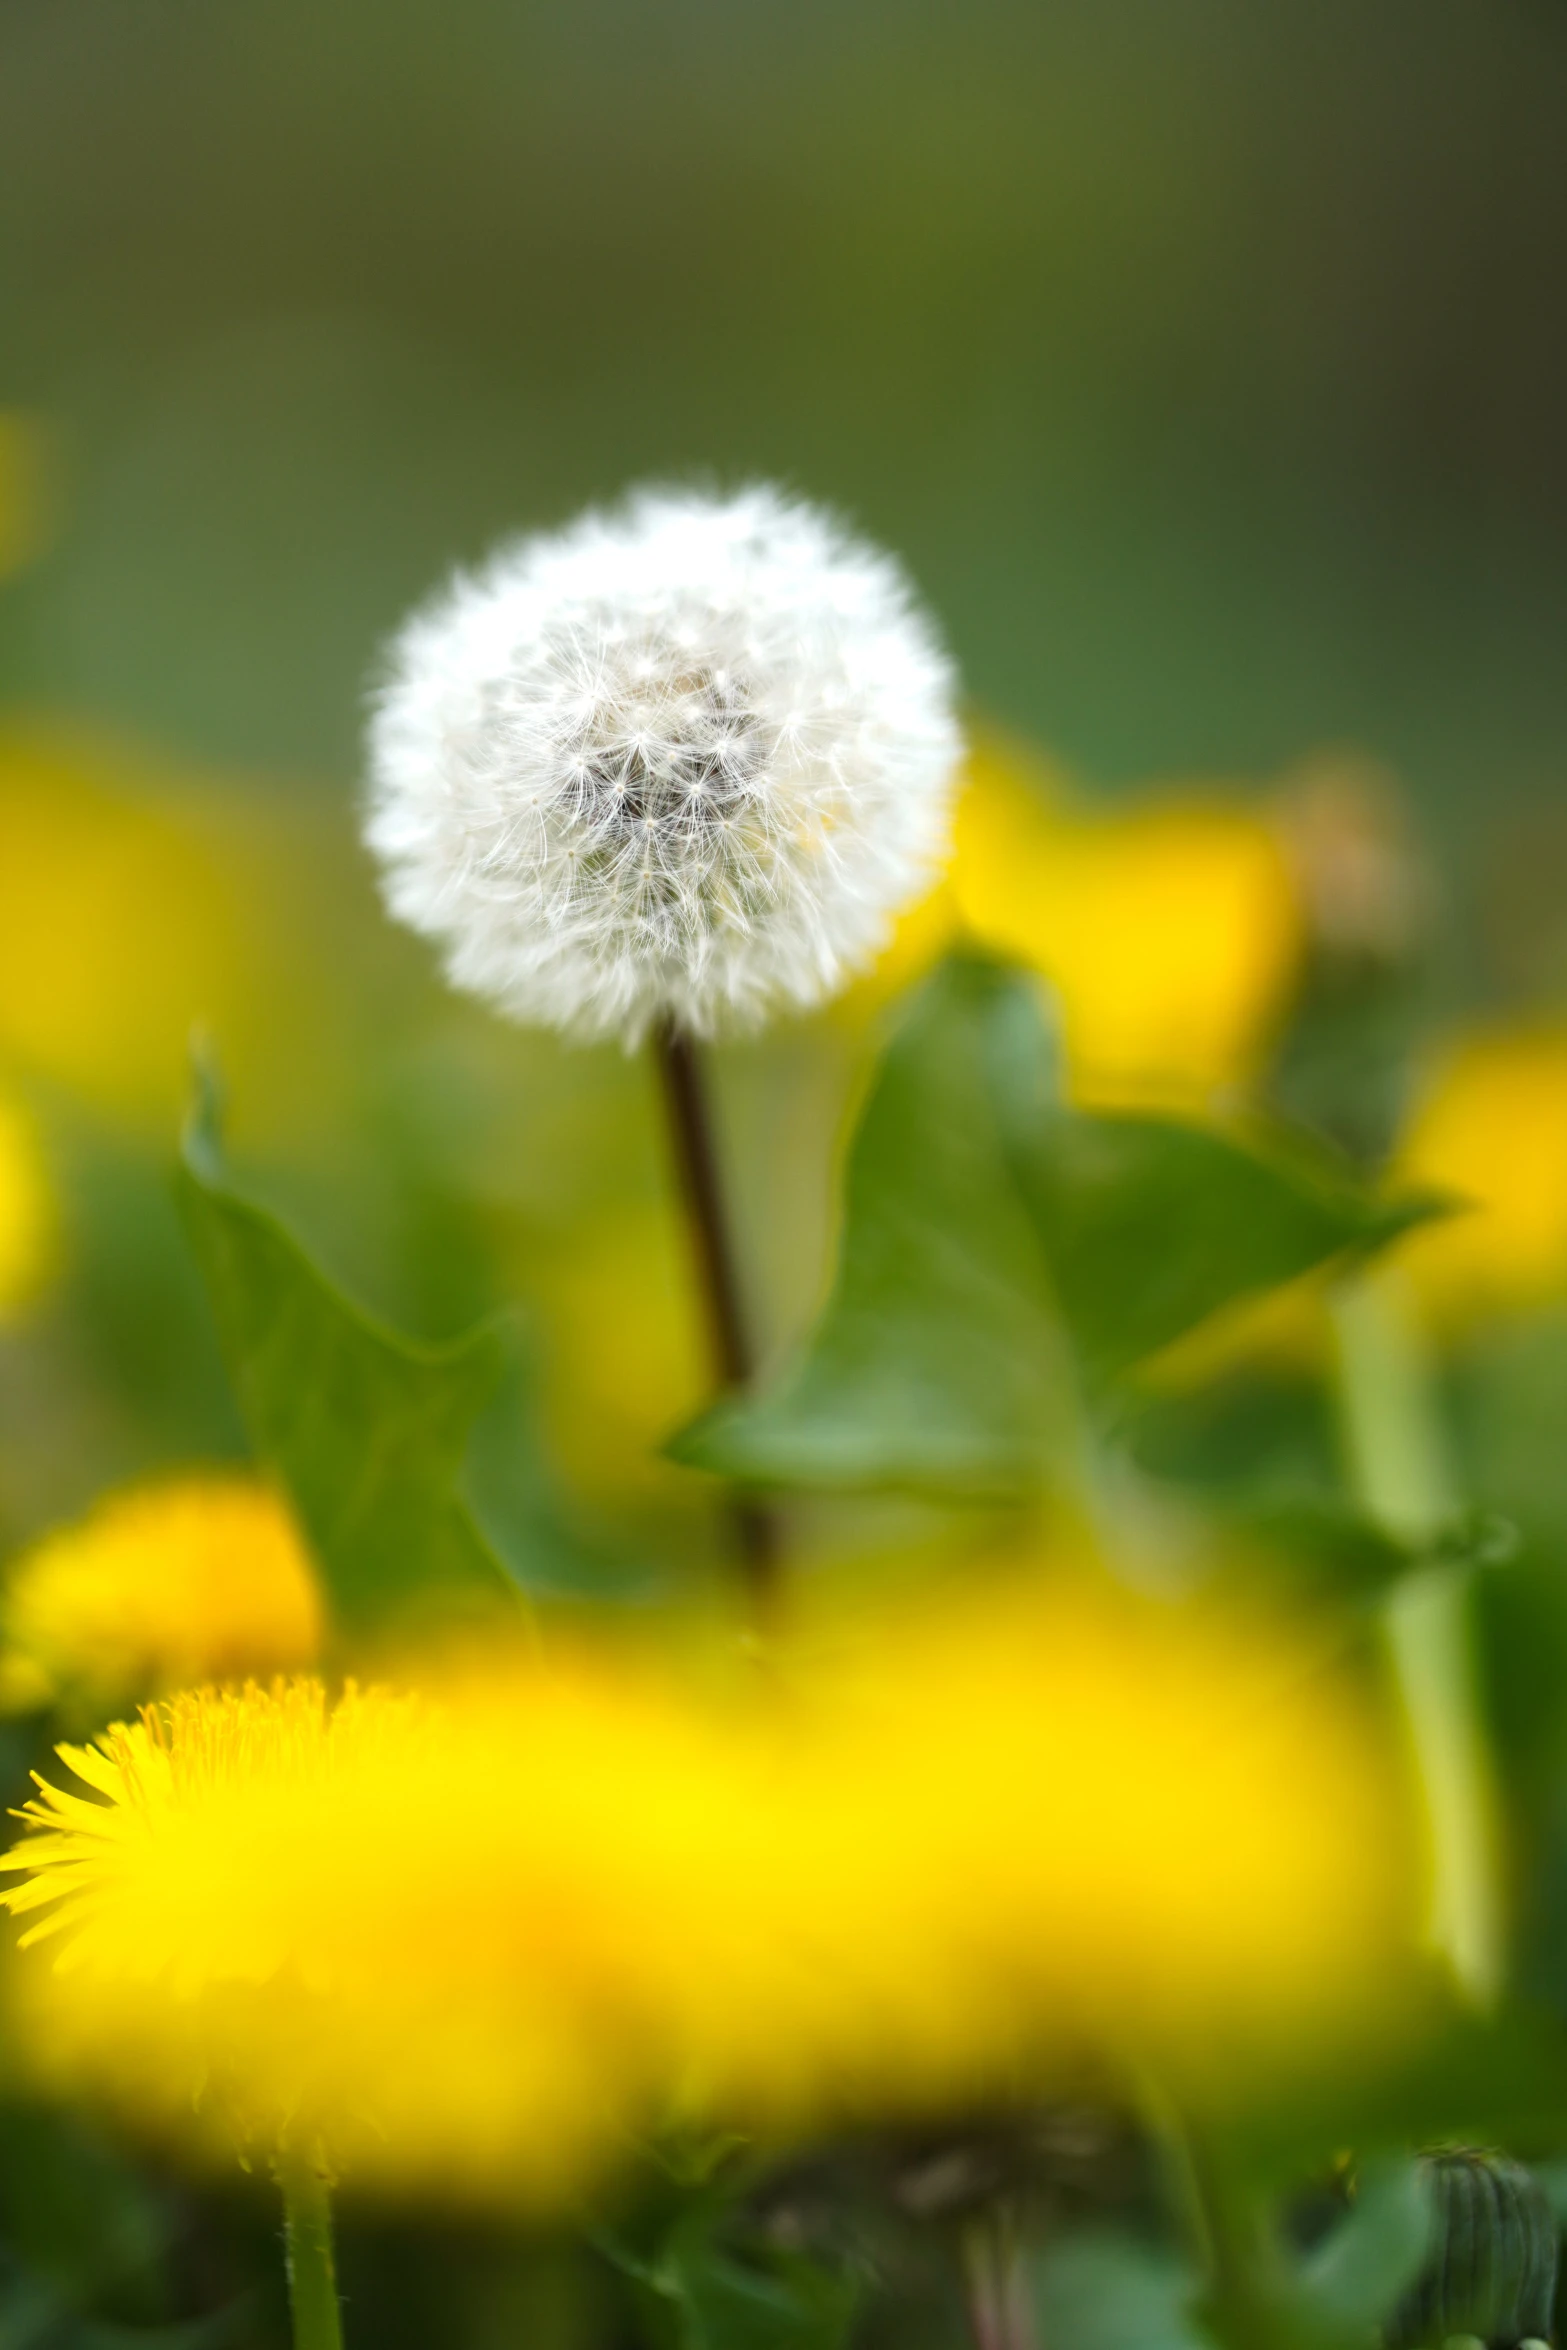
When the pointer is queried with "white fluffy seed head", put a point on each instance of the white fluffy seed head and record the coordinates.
(686, 758)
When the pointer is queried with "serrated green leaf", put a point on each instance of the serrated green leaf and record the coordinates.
(1003, 1254)
(937, 1363)
(366, 1432)
(1150, 1225)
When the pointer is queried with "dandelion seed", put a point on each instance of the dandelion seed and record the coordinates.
(685, 759)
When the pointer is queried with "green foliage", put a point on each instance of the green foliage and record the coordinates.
(1348, 2285)
(1105, 2290)
(1151, 1225)
(937, 1363)
(1493, 2255)
(367, 1433)
(85, 2246)
(700, 2292)
(1007, 1259)
(76, 2214)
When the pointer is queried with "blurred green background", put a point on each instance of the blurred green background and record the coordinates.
(1206, 361)
(1207, 358)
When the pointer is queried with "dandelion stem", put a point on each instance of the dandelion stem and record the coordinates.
(1394, 1442)
(696, 1157)
(1220, 2220)
(996, 2284)
(312, 2270)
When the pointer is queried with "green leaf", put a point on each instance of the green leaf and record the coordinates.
(1353, 2279)
(1322, 1545)
(366, 1432)
(698, 2294)
(1003, 1255)
(937, 1363)
(1151, 1225)
(511, 1493)
(1101, 2290)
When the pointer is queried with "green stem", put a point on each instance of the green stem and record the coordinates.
(1221, 2224)
(312, 2271)
(1396, 1451)
(996, 2280)
(683, 1079)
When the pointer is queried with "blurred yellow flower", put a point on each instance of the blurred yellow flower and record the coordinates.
(431, 1943)
(118, 926)
(27, 1211)
(160, 1586)
(469, 1940)
(139, 903)
(1491, 1127)
(1044, 1822)
(1170, 928)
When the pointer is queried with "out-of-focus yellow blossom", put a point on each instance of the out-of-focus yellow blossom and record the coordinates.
(25, 501)
(27, 1211)
(1030, 1827)
(1171, 929)
(139, 903)
(162, 1585)
(119, 927)
(468, 1940)
(433, 1943)
(1491, 1127)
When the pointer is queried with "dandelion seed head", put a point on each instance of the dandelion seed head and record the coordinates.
(685, 757)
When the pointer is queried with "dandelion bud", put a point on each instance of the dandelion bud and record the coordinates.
(1491, 2275)
(686, 758)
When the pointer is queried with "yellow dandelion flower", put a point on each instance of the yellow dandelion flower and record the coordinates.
(1492, 1128)
(160, 1586)
(1171, 929)
(27, 1214)
(1058, 1824)
(432, 1942)
(116, 923)
(468, 1941)
(138, 902)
